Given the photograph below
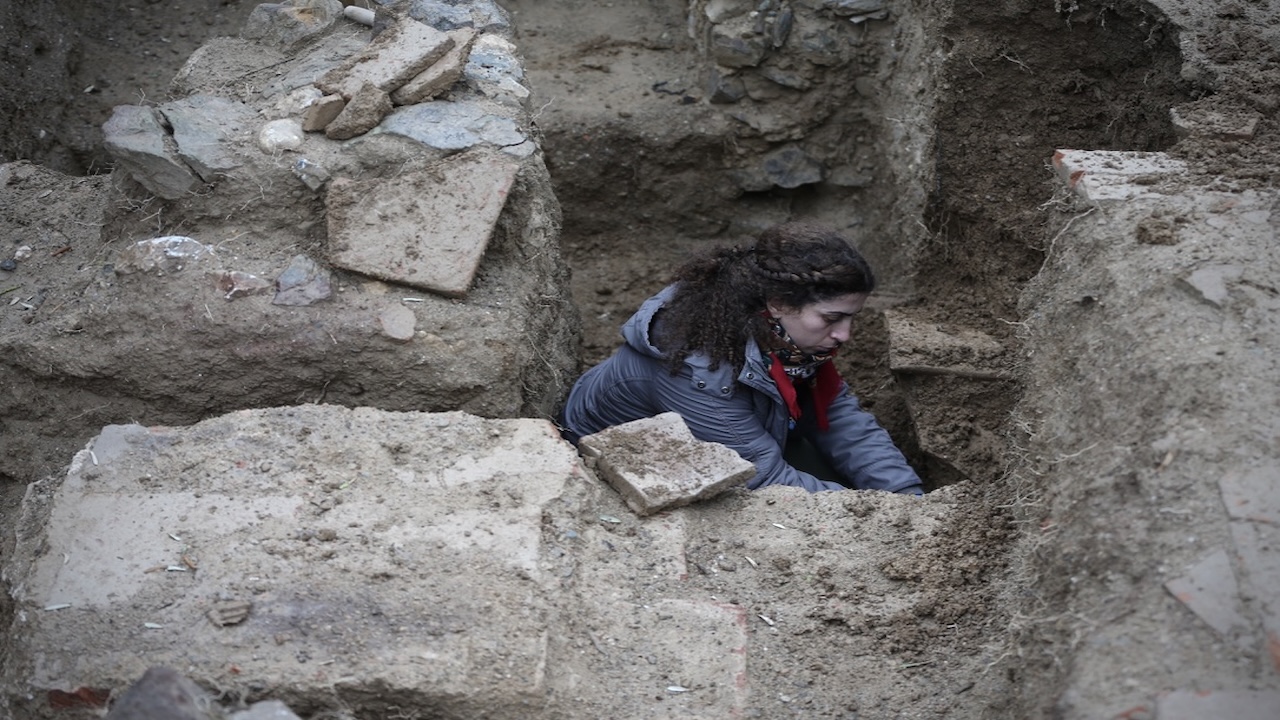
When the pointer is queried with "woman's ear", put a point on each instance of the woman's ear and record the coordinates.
(773, 308)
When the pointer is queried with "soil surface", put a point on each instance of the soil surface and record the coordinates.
(627, 129)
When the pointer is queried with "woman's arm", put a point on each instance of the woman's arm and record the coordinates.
(731, 420)
(863, 451)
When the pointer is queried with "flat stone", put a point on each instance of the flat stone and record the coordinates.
(320, 113)
(1210, 591)
(345, 527)
(1252, 494)
(656, 463)
(361, 114)
(1114, 175)
(394, 57)
(1210, 282)
(432, 226)
(1222, 704)
(484, 15)
(134, 136)
(286, 25)
(303, 282)
(441, 75)
(733, 45)
(161, 694)
(206, 128)
(1259, 563)
(453, 125)
(397, 322)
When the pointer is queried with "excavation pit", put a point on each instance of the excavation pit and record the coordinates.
(1052, 359)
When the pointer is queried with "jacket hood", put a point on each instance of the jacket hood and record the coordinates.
(637, 330)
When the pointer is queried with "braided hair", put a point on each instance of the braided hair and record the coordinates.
(720, 295)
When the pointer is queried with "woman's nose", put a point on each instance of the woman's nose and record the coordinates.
(842, 330)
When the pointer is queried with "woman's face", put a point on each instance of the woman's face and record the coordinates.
(820, 327)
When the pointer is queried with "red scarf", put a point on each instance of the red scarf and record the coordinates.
(826, 386)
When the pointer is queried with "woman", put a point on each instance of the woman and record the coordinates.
(741, 346)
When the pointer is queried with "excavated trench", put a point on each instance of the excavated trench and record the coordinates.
(934, 132)
(926, 136)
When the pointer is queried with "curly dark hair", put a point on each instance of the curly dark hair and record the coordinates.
(720, 296)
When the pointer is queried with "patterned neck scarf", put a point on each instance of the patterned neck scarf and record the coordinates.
(796, 362)
(791, 364)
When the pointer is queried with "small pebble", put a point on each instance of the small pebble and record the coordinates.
(8, 265)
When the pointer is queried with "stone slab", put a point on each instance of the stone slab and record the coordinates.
(1223, 704)
(206, 129)
(1209, 589)
(1114, 175)
(454, 125)
(1255, 545)
(441, 75)
(427, 229)
(134, 136)
(656, 463)
(344, 532)
(394, 57)
(1252, 494)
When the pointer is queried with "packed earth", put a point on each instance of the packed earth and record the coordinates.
(1076, 351)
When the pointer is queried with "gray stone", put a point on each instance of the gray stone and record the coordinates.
(1209, 589)
(206, 128)
(856, 8)
(1210, 282)
(135, 137)
(433, 225)
(310, 173)
(302, 283)
(791, 167)
(786, 78)
(656, 463)
(493, 67)
(723, 89)
(452, 125)
(731, 49)
(290, 23)
(392, 59)
(484, 15)
(163, 694)
(818, 47)
(780, 29)
(361, 114)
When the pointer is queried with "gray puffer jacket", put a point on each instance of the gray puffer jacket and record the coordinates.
(748, 415)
